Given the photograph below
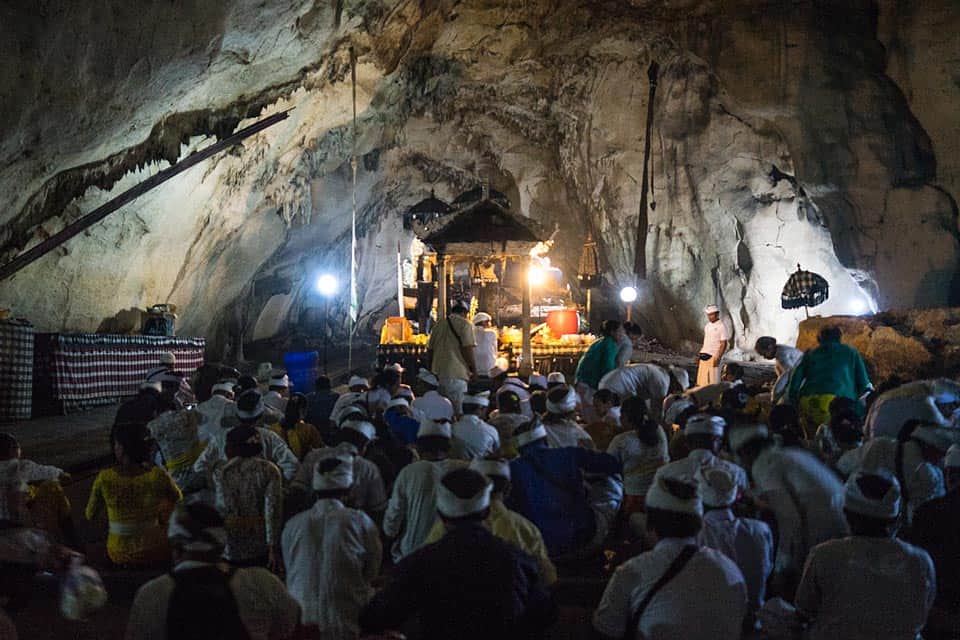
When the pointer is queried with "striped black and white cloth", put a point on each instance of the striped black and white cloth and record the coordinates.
(16, 370)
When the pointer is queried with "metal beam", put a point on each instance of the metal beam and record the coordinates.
(101, 212)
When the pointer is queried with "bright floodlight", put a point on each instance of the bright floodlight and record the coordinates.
(628, 294)
(536, 275)
(858, 306)
(327, 285)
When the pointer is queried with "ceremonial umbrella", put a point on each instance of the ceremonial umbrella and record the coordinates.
(804, 289)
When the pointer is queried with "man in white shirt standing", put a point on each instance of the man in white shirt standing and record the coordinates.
(332, 553)
(472, 437)
(486, 339)
(679, 589)
(785, 359)
(716, 338)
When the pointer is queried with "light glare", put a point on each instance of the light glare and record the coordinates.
(327, 285)
(536, 275)
(628, 294)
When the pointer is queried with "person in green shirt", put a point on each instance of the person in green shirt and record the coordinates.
(599, 360)
(830, 371)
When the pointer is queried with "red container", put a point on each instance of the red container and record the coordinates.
(563, 322)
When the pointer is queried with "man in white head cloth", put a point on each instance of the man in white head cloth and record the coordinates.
(703, 433)
(680, 589)
(716, 341)
(212, 409)
(201, 597)
(486, 338)
(430, 404)
(516, 385)
(870, 584)
(332, 553)
(804, 494)
(560, 423)
(472, 437)
(469, 585)
(413, 501)
(169, 378)
(746, 541)
(278, 392)
(935, 401)
(651, 382)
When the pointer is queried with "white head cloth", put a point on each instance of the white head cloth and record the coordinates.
(526, 437)
(434, 428)
(168, 358)
(565, 405)
(952, 459)
(492, 468)
(279, 381)
(883, 507)
(718, 487)
(673, 406)
(357, 381)
(711, 308)
(742, 435)
(349, 410)
(361, 426)
(340, 477)
(479, 399)
(424, 375)
(538, 380)
(453, 506)
(704, 424)
(398, 402)
(672, 491)
(513, 382)
(940, 437)
(222, 386)
(556, 377)
(482, 317)
(396, 366)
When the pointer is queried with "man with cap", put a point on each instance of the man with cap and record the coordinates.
(278, 390)
(679, 589)
(914, 460)
(211, 410)
(748, 542)
(870, 584)
(486, 338)
(332, 553)
(548, 489)
(703, 434)
(936, 529)
(368, 491)
(430, 405)
(249, 412)
(652, 382)
(413, 501)
(804, 495)
(716, 341)
(471, 584)
(934, 401)
(471, 437)
(202, 597)
(785, 359)
(451, 353)
(562, 428)
(504, 523)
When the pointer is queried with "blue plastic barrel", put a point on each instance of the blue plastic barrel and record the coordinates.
(302, 370)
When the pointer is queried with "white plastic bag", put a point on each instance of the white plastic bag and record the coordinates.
(82, 592)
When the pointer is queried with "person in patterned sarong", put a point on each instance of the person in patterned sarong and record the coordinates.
(176, 432)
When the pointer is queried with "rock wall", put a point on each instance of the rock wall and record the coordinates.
(805, 133)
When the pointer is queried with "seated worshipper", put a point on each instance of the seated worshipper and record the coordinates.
(868, 585)
(302, 437)
(412, 506)
(548, 488)
(320, 404)
(469, 585)
(936, 529)
(487, 341)
(914, 459)
(562, 428)
(385, 386)
(846, 424)
(606, 405)
(504, 523)
(748, 542)
(631, 333)
(332, 553)
(278, 391)
(135, 493)
(785, 359)
(249, 494)
(141, 408)
(399, 417)
(832, 369)
(213, 409)
(555, 378)
(451, 353)
(203, 598)
(429, 403)
(704, 438)
(45, 502)
(357, 388)
(784, 421)
(680, 589)
(651, 382)
(804, 495)
(599, 360)
(731, 376)
(508, 416)
(471, 437)
(641, 451)
(368, 492)
(933, 401)
(517, 386)
(250, 412)
(176, 432)
(171, 379)
(537, 382)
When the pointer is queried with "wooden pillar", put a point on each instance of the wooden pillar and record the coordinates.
(526, 364)
(441, 287)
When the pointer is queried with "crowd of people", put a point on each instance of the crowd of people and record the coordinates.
(452, 500)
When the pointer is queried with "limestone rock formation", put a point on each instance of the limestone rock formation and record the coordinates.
(806, 132)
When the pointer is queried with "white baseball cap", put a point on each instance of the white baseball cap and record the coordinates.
(482, 317)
